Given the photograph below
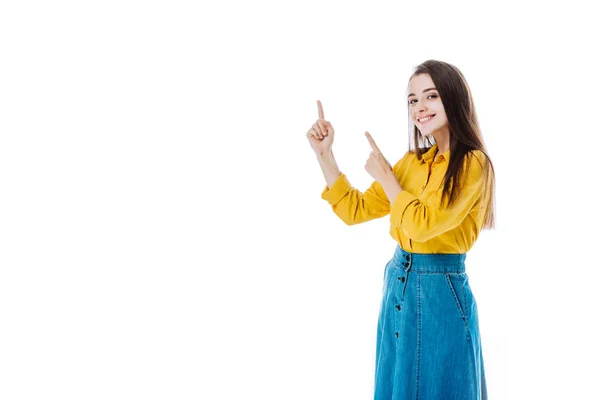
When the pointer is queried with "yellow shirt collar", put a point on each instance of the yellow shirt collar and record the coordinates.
(431, 152)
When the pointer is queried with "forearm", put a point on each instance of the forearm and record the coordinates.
(331, 172)
(392, 188)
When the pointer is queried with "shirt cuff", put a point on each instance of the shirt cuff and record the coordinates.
(401, 203)
(337, 191)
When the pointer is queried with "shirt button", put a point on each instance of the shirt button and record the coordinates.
(398, 306)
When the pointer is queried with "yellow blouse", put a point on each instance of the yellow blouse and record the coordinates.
(417, 222)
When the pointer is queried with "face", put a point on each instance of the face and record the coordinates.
(423, 102)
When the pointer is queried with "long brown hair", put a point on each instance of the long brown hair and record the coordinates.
(465, 134)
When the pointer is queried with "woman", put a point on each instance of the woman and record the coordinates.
(428, 341)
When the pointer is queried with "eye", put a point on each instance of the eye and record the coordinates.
(434, 96)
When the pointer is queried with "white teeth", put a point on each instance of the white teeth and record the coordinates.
(426, 119)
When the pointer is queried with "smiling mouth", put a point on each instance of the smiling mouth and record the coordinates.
(425, 120)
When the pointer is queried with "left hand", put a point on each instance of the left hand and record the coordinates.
(377, 166)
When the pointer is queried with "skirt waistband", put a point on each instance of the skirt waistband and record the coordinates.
(429, 262)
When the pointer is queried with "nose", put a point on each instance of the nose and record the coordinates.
(420, 111)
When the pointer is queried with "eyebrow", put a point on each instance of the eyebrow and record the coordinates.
(431, 88)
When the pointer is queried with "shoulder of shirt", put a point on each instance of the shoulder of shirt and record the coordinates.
(408, 154)
(478, 155)
(476, 161)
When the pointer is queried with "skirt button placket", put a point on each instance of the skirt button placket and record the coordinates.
(403, 280)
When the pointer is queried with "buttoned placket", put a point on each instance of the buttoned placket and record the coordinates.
(427, 178)
(404, 280)
(430, 166)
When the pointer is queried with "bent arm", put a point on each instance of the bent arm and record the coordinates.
(353, 206)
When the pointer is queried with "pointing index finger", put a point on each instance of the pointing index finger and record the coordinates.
(372, 142)
(321, 114)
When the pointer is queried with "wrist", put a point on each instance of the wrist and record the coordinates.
(390, 180)
(324, 154)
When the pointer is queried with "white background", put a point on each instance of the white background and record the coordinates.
(162, 234)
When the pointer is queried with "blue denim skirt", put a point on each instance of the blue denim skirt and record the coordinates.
(428, 342)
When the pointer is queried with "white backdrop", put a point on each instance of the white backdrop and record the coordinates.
(162, 234)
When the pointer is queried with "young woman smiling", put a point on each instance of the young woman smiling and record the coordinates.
(439, 196)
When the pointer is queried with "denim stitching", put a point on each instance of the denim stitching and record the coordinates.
(418, 334)
(470, 344)
(439, 273)
(407, 271)
(464, 290)
(462, 314)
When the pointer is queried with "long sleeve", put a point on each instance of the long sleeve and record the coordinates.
(424, 220)
(354, 207)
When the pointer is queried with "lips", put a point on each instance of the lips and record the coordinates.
(424, 120)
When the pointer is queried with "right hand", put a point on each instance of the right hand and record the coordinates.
(321, 134)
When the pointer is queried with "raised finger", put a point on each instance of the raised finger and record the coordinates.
(320, 106)
(372, 143)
